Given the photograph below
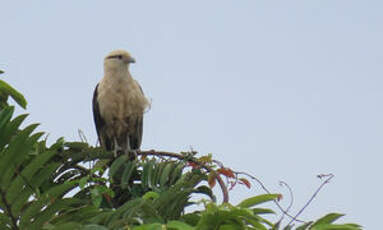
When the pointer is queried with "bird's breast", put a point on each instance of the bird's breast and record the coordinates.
(119, 99)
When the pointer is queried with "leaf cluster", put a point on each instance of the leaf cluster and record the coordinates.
(71, 185)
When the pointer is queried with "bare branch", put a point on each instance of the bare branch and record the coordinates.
(282, 183)
(321, 176)
(268, 191)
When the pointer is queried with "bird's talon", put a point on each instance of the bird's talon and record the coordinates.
(132, 154)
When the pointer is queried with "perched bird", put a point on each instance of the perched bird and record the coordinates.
(119, 105)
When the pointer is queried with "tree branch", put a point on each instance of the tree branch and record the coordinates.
(268, 191)
(329, 177)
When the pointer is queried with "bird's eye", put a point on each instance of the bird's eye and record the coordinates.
(119, 56)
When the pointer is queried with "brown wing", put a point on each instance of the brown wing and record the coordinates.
(136, 138)
(100, 123)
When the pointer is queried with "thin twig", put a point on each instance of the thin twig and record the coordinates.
(282, 183)
(268, 191)
(329, 177)
(82, 136)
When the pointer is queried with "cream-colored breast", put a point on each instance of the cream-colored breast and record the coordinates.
(120, 98)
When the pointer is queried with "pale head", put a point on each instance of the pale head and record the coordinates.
(118, 60)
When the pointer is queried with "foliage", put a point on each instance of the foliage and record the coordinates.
(71, 185)
(7, 91)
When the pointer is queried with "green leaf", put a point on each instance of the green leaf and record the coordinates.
(44, 173)
(165, 174)
(155, 226)
(191, 218)
(59, 144)
(51, 210)
(233, 226)
(305, 226)
(150, 174)
(335, 227)
(328, 219)
(117, 165)
(178, 225)
(49, 197)
(159, 167)
(252, 201)
(82, 182)
(94, 227)
(83, 214)
(177, 173)
(18, 157)
(147, 174)
(78, 146)
(36, 181)
(27, 174)
(69, 226)
(203, 189)
(96, 197)
(248, 216)
(16, 152)
(130, 167)
(262, 211)
(150, 196)
(10, 129)
(4, 219)
(5, 116)
(6, 89)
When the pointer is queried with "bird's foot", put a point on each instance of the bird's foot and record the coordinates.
(132, 154)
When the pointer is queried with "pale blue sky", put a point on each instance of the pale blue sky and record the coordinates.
(284, 90)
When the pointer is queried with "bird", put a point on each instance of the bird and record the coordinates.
(119, 105)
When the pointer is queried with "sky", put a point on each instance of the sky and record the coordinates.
(284, 90)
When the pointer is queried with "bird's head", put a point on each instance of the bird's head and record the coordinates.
(118, 59)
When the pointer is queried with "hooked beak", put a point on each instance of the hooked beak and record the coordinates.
(131, 60)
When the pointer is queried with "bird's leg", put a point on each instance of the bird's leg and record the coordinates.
(117, 148)
(132, 154)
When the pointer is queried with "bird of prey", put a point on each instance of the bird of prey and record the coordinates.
(119, 105)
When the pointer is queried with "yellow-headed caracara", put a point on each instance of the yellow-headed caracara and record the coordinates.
(119, 105)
